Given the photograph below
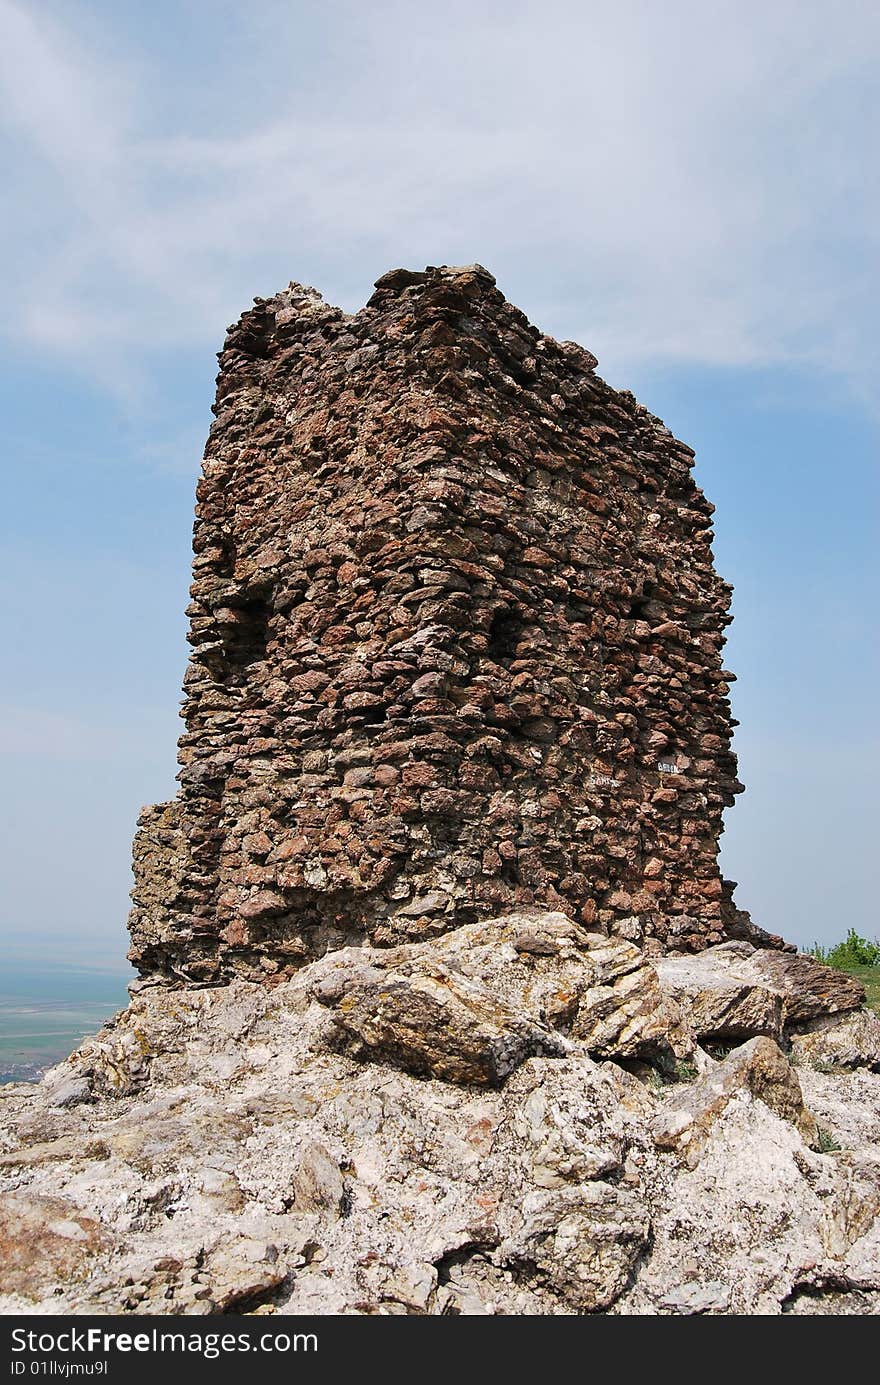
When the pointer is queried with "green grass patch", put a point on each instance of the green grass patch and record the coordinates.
(858, 956)
(827, 1143)
(685, 1071)
(854, 951)
(870, 979)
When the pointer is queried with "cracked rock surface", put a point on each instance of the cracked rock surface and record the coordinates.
(327, 1146)
(735, 990)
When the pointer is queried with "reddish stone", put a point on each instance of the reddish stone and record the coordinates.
(262, 903)
(419, 775)
(445, 617)
(384, 775)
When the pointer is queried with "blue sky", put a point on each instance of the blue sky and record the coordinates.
(689, 189)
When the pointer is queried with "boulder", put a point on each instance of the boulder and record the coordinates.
(735, 990)
(239, 1273)
(69, 1092)
(851, 1040)
(318, 1183)
(419, 1016)
(471, 1005)
(758, 1068)
(718, 998)
(600, 990)
(809, 989)
(582, 1242)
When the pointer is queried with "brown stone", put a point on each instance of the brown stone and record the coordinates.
(471, 1005)
(429, 1021)
(45, 1241)
(719, 998)
(431, 543)
(758, 1067)
(809, 988)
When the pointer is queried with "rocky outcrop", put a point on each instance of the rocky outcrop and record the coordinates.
(809, 989)
(426, 1020)
(457, 748)
(456, 646)
(722, 999)
(490, 1122)
(758, 1067)
(46, 1241)
(736, 991)
(844, 1041)
(473, 1005)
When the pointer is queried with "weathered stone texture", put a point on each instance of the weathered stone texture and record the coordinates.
(758, 1067)
(453, 610)
(474, 1004)
(439, 1128)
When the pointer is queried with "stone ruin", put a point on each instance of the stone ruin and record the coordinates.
(457, 647)
(457, 749)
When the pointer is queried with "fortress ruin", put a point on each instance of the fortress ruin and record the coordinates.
(456, 646)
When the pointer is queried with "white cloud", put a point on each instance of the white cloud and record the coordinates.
(676, 183)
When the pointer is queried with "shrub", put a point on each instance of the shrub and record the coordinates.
(854, 951)
(826, 1142)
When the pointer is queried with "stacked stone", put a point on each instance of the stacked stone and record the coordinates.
(456, 645)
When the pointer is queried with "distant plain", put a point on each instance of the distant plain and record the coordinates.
(47, 1007)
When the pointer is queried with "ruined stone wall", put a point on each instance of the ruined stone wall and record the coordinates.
(453, 611)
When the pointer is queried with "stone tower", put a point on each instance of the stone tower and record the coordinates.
(456, 645)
